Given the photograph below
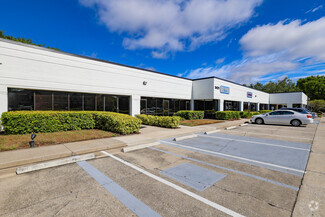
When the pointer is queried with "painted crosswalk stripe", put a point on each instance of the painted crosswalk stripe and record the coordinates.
(131, 202)
(176, 187)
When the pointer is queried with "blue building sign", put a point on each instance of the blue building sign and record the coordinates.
(224, 90)
(249, 95)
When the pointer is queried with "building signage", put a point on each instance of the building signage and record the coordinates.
(224, 90)
(249, 95)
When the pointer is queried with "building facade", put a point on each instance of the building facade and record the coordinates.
(36, 78)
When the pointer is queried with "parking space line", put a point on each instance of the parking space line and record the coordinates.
(269, 135)
(262, 143)
(234, 157)
(228, 169)
(131, 202)
(176, 187)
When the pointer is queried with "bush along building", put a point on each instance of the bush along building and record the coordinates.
(37, 78)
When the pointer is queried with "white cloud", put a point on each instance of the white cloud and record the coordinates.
(274, 48)
(315, 9)
(172, 25)
(220, 60)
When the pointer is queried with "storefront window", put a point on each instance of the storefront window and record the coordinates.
(20, 99)
(60, 101)
(111, 103)
(124, 104)
(89, 102)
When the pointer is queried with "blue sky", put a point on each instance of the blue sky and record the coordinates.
(244, 41)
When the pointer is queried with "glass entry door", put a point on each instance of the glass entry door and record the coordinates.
(166, 107)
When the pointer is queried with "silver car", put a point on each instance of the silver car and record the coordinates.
(283, 117)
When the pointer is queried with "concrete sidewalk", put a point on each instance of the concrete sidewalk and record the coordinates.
(311, 197)
(11, 159)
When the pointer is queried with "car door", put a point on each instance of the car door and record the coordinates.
(272, 117)
(285, 117)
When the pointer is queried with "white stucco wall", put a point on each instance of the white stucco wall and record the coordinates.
(288, 98)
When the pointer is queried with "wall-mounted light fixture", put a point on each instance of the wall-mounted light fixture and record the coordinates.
(216, 87)
(145, 83)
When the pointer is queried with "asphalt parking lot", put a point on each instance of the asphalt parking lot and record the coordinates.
(254, 170)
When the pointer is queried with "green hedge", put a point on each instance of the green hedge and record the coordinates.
(190, 115)
(22, 122)
(227, 115)
(264, 111)
(248, 114)
(160, 121)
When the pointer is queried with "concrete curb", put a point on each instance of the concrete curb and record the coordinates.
(137, 147)
(229, 128)
(184, 137)
(212, 131)
(55, 163)
(242, 125)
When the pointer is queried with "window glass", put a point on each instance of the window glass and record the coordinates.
(199, 105)
(43, 100)
(89, 102)
(182, 105)
(172, 106)
(20, 99)
(61, 101)
(287, 113)
(111, 103)
(100, 102)
(275, 113)
(159, 110)
(76, 103)
(143, 106)
(124, 104)
(151, 106)
(177, 104)
(209, 105)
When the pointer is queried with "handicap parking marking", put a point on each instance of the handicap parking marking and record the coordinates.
(176, 187)
(240, 159)
(131, 202)
(254, 142)
(228, 169)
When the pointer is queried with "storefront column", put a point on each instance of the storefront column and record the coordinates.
(257, 106)
(241, 106)
(135, 105)
(221, 103)
(3, 100)
(192, 104)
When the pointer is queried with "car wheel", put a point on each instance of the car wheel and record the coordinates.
(295, 123)
(259, 121)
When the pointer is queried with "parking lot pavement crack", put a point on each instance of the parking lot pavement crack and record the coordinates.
(249, 195)
(65, 205)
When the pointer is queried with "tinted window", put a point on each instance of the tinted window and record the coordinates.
(20, 99)
(100, 102)
(76, 101)
(111, 103)
(89, 102)
(275, 113)
(159, 106)
(287, 113)
(124, 105)
(61, 101)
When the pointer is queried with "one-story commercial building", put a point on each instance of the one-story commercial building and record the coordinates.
(37, 78)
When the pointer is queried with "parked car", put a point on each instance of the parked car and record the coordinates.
(283, 117)
(301, 110)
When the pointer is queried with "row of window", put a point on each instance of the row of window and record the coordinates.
(159, 106)
(22, 99)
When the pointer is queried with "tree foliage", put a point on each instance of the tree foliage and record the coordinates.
(23, 40)
(317, 105)
(313, 86)
(284, 85)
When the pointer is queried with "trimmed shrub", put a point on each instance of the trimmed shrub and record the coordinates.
(227, 115)
(160, 121)
(248, 114)
(22, 122)
(190, 115)
(264, 111)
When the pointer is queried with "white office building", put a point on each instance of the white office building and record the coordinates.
(36, 78)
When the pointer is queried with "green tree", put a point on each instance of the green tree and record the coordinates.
(284, 85)
(317, 105)
(22, 40)
(313, 86)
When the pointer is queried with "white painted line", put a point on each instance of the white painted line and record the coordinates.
(212, 131)
(262, 143)
(137, 147)
(183, 190)
(49, 164)
(229, 128)
(273, 135)
(184, 137)
(235, 157)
